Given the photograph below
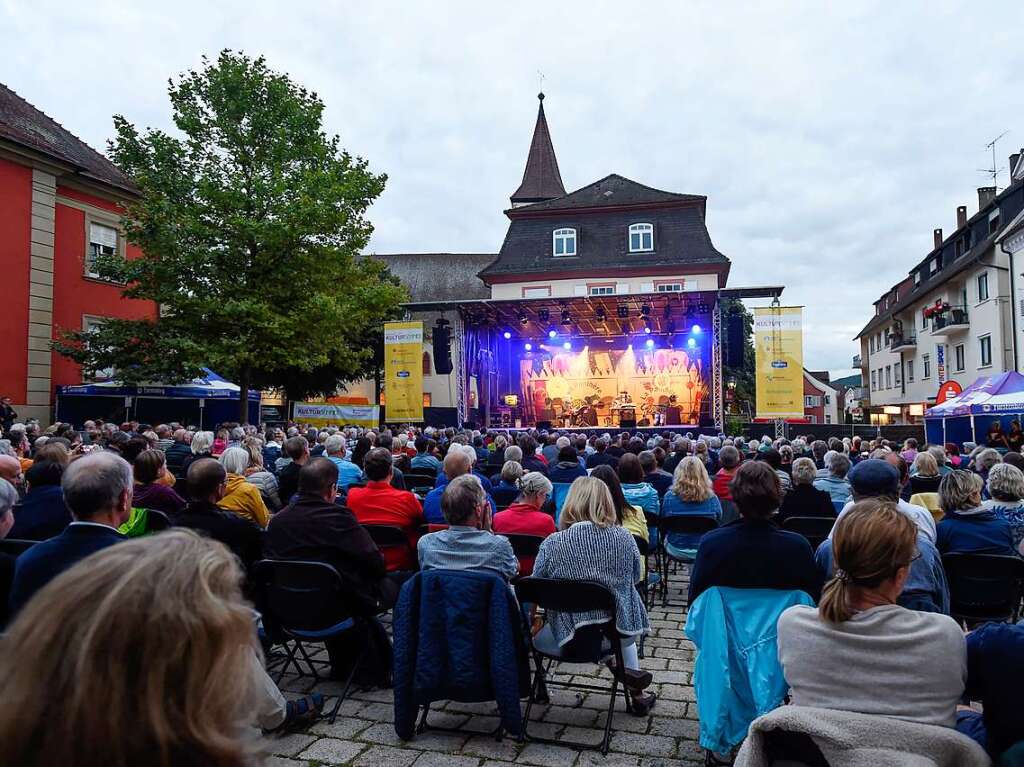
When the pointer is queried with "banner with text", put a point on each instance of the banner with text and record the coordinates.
(779, 361)
(403, 371)
(326, 414)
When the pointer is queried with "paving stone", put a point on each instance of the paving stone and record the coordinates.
(280, 761)
(289, 745)
(624, 722)
(386, 756)
(594, 759)
(676, 728)
(582, 717)
(343, 727)
(643, 745)
(482, 724)
(333, 751)
(486, 746)
(587, 736)
(547, 756)
(446, 760)
(383, 734)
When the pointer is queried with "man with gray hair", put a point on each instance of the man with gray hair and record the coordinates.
(833, 478)
(98, 492)
(468, 543)
(335, 450)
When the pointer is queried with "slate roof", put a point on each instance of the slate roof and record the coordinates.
(681, 239)
(433, 277)
(25, 125)
(541, 179)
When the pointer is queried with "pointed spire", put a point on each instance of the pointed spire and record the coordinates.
(541, 180)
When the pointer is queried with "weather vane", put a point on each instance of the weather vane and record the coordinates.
(540, 80)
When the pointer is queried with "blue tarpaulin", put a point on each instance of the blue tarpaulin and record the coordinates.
(968, 416)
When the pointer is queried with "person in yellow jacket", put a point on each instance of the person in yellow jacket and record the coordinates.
(241, 496)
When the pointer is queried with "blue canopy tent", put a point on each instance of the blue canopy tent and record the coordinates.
(204, 401)
(968, 416)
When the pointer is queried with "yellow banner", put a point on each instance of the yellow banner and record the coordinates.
(403, 371)
(779, 360)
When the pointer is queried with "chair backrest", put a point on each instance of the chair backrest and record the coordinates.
(524, 545)
(301, 595)
(156, 521)
(566, 596)
(652, 520)
(416, 479)
(686, 523)
(984, 586)
(387, 536)
(642, 546)
(814, 529)
(15, 547)
(730, 512)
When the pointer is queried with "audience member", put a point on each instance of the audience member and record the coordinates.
(201, 447)
(924, 476)
(627, 515)
(654, 475)
(179, 450)
(148, 492)
(995, 669)
(859, 651)
(468, 543)
(8, 499)
(803, 498)
(531, 461)
(568, 467)
(1006, 488)
(834, 482)
(455, 464)
(241, 497)
(257, 473)
(877, 478)
(524, 517)
(506, 489)
(969, 527)
(592, 547)
(638, 493)
(600, 456)
(42, 513)
(349, 473)
(424, 459)
(729, 457)
(753, 552)
(98, 491)
(381, 504)
(692, 494)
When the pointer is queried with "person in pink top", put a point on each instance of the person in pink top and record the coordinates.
(524, 517)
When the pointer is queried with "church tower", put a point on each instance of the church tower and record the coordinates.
(541, 179)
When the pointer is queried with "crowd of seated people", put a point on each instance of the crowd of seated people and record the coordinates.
(488, 488)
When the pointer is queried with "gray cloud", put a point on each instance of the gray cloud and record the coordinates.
(829, 140)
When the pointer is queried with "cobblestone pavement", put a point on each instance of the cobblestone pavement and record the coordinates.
(363, 734)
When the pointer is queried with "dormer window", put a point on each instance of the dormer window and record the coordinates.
(641, 238)
(564, 242)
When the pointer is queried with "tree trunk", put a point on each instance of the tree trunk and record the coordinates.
(243, 395)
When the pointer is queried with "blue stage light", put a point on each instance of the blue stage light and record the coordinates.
(552, 333)
(567, 345)
(506, 335)
(691, 342)
(650, 343)
(696, 330)
(647, 329)
(528, 346)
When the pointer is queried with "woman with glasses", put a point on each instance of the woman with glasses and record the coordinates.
(524, 517)
(859, 651)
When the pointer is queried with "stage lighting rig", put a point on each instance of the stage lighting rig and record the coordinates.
(599, 313)
(543, 315)
(622, 312)
(566, 317)
(521, 316)
(645, 311)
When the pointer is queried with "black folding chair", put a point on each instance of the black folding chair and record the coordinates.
(589, 645)
(304, 602)
(679, 523)
(156, 521)
(388, 537)
(730, 512)
(524, 545)
(419, 480)
(814, 529)
(984, 587)
(15, 546)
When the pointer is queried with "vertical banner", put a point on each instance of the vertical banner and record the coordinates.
(403, 371)
(779, 361)
(940, 363)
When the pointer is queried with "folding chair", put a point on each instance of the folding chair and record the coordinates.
(419, 480)
(156, 521)
(388, 537)
(730, 512)
(590, 645)
(679, 523)
(304, 602)
(15, 547)
(984, 587)
(814, 529)
(524, 546)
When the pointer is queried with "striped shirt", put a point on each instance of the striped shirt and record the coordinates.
(466, 548)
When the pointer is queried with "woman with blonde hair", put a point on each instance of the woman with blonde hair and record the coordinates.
(590, 546)
(860, 651)
(144, 653)
(257, 473)
(924, 474)
(692, 495)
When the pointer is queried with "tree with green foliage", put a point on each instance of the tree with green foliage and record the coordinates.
(744, 377)
(251, 223)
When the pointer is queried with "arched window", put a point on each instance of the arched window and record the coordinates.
(641, 238)
(426, 364)
(564, 242)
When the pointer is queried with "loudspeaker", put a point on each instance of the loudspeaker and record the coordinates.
(442, 348)
(471, 425)
(543, 425)
(627, 423)
(734, 345)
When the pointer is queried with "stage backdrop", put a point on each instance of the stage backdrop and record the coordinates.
(779, 360)
(553, 384)
(403, 371)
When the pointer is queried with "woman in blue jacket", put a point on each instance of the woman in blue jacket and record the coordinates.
(691, 495)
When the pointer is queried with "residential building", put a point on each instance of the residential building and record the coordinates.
(951, 318)
(60, 206)
(821, 399)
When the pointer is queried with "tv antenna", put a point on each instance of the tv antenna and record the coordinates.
(995, 170)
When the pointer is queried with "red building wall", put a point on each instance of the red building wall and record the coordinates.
(75, 295)
(15, 226)
(818, 413)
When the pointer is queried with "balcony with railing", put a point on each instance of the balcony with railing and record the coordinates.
(946, 320)
(901, 342)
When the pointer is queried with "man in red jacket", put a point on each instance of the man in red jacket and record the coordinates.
(380, 504)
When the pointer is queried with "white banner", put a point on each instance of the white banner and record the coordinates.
(326, 414)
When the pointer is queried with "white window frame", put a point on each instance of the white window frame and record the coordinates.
(888, 376)
(985, 342)
(116, 249)
(959, 357)
(910, 371)
(668, 287)
(812, 400)
(537, 291)
(874, 381)
(90, 321)
(983, 283)
(642, 230)
(565, 235)
(926, 367)
(601, 290)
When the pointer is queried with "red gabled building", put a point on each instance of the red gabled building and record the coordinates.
(60, 205)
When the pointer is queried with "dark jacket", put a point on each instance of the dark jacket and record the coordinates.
(41, 514)
(533, 463)
(754, 554)
(317, 531)
(288, 482)
(45, 561)
(175, 457)
(458, 636)
(980, 532)
(240, 535)
(805, 501)
(924, 484)
(660, 481)
(995, 673)
(566, 471)
(601, 459)
(189, 459)
(7, 563)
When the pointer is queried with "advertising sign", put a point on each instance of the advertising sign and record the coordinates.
(324, 414)
(947, 391)
(940, 362)
(403, 371)
(779, 361)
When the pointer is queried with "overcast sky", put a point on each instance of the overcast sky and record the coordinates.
(829, 141)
